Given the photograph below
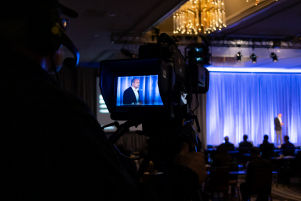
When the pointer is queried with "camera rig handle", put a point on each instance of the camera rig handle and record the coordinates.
(122, 129)
(116, 124)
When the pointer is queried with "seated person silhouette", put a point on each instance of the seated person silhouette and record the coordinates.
(245, 146)
(218, 180)
(228, 146)
(266, 148)
(132, 94)
(258, 178)
(288, 149)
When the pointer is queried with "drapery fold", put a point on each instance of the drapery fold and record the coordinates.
(247, 103)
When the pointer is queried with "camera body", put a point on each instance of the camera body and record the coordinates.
(165, 79)
(156, 91)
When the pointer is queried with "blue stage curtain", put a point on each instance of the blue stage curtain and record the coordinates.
(247, 103)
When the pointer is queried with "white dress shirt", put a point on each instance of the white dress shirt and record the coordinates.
(280, 120)
(136, 93)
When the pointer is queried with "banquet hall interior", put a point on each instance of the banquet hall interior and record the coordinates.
(254, 51)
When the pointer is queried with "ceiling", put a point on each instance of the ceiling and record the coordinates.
(279, 20)
(99, 20)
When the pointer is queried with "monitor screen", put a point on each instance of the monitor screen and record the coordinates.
(138, 91)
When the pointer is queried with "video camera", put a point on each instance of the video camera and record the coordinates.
(156, 91)
(166, 80)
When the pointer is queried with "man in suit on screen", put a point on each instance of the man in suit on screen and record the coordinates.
(132, 94)
(278, 128)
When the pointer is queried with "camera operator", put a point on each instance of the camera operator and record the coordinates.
(52, 146)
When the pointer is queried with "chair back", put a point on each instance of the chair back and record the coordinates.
(259, 177)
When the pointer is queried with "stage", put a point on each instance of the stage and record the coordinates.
(241, 103)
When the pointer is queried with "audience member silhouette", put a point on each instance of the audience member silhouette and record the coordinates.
(288, 149)
(222, 157)
(245, 145)
(218, 180)
(259, 177)
(228, 146)
(266, 148)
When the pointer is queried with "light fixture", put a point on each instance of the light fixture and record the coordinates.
(274, 57)
(253, 58)
(238, 56)
(199, 16)
(256, 2)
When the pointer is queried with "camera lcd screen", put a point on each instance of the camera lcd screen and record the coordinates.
(138, 91)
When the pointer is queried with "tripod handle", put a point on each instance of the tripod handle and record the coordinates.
(122, 129)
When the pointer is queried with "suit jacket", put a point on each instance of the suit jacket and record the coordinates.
(277, 124)
(245, 146)
(227, 146)
(129, 97)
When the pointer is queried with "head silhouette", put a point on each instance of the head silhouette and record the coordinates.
(286, 139)
(265, 137)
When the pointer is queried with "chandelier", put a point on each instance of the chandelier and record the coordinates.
(199, 17)
(256, 2)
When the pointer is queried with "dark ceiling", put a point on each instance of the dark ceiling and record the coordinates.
(99, 19)
(280, 20)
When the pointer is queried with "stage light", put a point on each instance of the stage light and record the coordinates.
(199, 54)
(238, 56)
(274, 57)
(198, 49)
(253, 57)
(198, 59)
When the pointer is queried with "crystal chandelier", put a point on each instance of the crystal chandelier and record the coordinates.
(199, 16)
(256, 2)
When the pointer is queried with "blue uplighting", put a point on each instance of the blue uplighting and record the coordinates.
(246, 103)
(77, 58)
(253, 70)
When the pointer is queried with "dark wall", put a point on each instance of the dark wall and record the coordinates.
(80, 81)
